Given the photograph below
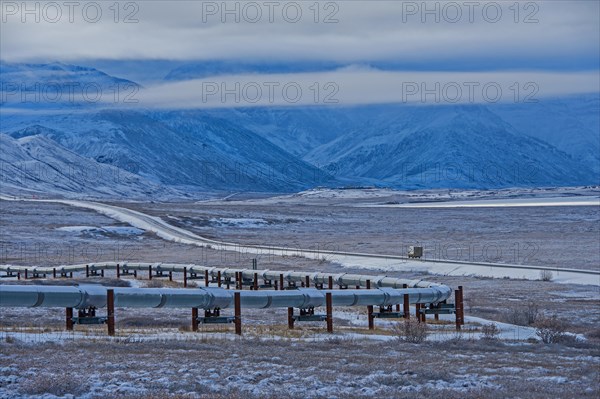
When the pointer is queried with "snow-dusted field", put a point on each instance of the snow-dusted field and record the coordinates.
(155, 354)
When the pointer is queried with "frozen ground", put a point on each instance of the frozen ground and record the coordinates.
(565, 236)
(155, 355)
(336, 367)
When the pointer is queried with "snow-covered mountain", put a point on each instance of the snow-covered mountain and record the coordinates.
(555, 142)
(460, 147)
(188, 150)
(61, 86)
(36, 165)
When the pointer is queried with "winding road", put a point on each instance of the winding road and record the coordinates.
(379, 262)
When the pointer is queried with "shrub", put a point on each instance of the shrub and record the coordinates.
(550, 329)
(546, 275)
(525, 315)
(412, 331)
(54, 384)
(490, 331)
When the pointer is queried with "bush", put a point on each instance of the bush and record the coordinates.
(546, 275)
(550, 329)
(525, 315)
(412, 331)
(490, 331)
(54, 384)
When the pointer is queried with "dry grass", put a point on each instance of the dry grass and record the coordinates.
(340, 367)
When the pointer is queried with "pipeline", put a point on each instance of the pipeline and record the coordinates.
(387, 290)
(341, 279)
(88, 295)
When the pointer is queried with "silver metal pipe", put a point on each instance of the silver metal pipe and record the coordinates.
(343, 279)
(88, 295)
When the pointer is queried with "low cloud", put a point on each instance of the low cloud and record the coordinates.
(354, 87)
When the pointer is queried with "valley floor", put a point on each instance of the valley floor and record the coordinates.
(155, 354)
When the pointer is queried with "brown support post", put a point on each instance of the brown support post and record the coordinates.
(206, 278)
(69, 319)
(329, 305)
(406, 307)
(110, 310)
(307, 281)
(218, 278)
(185, 277)
(118, 271)
(281, 282)
(462, 306)
(371, 318)
(397, 307)
(237, 280)
(368, 284)
(54, 272)
(87, 271)
(194, 319)
(417, 312)
(275, 284)
(358, 287)
(423, 316)
(25, 274)
(330, 282)
(150, 272)
(71, 274)
(18, 275)
(255, 281)
(238, 313)
(436, 316)
(102, 272)
(170, 276)
(457, 309)
(291, 318)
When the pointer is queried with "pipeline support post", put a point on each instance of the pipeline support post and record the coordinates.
(462, 305)
(87, 271)
(281, 281)
(170, 276)
(371, 318)
(219, 278)
(329, 306)
(418, 311)
(185, 277)
(69, 319)
(238, 313)
(54, 272)
(255, 285)
(291, 318)
(406, 307)
(307, 281)
(206, 278)
(150, 272)
(330, 281)
(194, 319)
(110, 310)
(118, 271)
(457, 309)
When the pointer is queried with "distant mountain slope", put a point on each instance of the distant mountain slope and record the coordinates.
(463, 146)
(53, 85)
(555, 142)
(182, 149)
(36, 165)
(571, 124)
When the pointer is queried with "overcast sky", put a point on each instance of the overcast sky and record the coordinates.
(547, 36)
